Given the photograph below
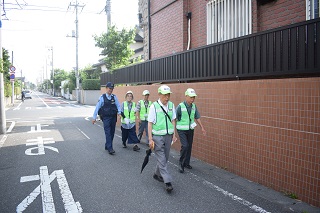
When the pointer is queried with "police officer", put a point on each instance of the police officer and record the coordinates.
(128, 122)
(187, 114)
(110, 107)
(161, 126)
(142, 110)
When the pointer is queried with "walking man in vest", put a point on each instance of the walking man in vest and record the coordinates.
(187, 114)
(142, 110)
(128, 122)
(110, 107)
(161, 126)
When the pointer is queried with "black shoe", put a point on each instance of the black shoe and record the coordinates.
(169, 187)
(188, 167)
(181, 168)
(136, 148)
(158, 178)
(124, 145)
(111, 152)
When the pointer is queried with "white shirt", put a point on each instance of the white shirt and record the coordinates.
(152, 112)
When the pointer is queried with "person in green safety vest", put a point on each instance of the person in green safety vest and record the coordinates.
(162, 132)
(128, 122)
(142, 110)
(187, 116)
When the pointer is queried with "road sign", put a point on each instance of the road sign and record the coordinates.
(12, 77)
(12, 69)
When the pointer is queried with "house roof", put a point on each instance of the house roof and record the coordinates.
(138, 38)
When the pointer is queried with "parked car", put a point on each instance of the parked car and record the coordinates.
(27, 94)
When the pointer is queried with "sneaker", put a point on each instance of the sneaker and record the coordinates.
(136, 148)
(124, 145)
(169, 187)
(158, 178)
(188, 167)
(111, 152)
(181, 168)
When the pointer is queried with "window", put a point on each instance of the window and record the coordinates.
(227, 19)
(313, 9)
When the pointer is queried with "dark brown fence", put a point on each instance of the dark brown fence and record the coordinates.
(289, 50)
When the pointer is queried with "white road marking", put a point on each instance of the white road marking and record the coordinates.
(43, 102)
(235, 197)
(83, 133)
(18, 107)
(38, 129)
(3, 139)
(39, 142)
(226, 193)
(13, 123)
(46, 193)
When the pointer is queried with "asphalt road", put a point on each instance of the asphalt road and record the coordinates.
(52, 159)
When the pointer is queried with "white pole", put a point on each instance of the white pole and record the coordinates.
(2, 105)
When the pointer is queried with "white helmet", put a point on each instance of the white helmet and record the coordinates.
(146, 92)
(129, 92)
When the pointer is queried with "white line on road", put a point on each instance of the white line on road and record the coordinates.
(226, 193)
(83, 133)
(18, 107)
(43, 101)
(13, 123)
(3, 139)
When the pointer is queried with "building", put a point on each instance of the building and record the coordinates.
(172, 26)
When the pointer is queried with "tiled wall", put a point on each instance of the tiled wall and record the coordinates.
(267, 131)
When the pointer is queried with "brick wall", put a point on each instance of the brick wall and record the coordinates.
(277, 14)
(166, 28)
(267, 131)
(169, 29)
(198, 22)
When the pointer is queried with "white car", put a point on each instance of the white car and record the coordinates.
(27, 94)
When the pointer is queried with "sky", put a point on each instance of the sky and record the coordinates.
(34, 29)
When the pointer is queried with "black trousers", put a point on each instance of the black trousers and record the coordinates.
(186, 139)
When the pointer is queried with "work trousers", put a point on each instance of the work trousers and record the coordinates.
(109, 126)
(130, 135)
(162, 150)
(186, 140)
(143, 126)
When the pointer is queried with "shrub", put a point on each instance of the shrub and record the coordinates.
(91, 84)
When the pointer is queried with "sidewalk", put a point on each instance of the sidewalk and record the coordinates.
(211, 172)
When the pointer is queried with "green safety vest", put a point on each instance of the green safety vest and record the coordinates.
(128, 114)
(163, 125)
(144, 111)
(186, 119)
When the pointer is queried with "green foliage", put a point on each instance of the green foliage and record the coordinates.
(59, 75)
(72, 80)
(7, 89)
(116, 46)
(91, 84)
(90, 73)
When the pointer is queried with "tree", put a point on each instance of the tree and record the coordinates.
(90, 73)
(116, 46)
(6, 65)
(59, 75)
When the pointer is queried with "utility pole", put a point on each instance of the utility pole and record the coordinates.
(108, 12)
(51, 49)
(12, 82)
(2, 109)
(76, 5)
